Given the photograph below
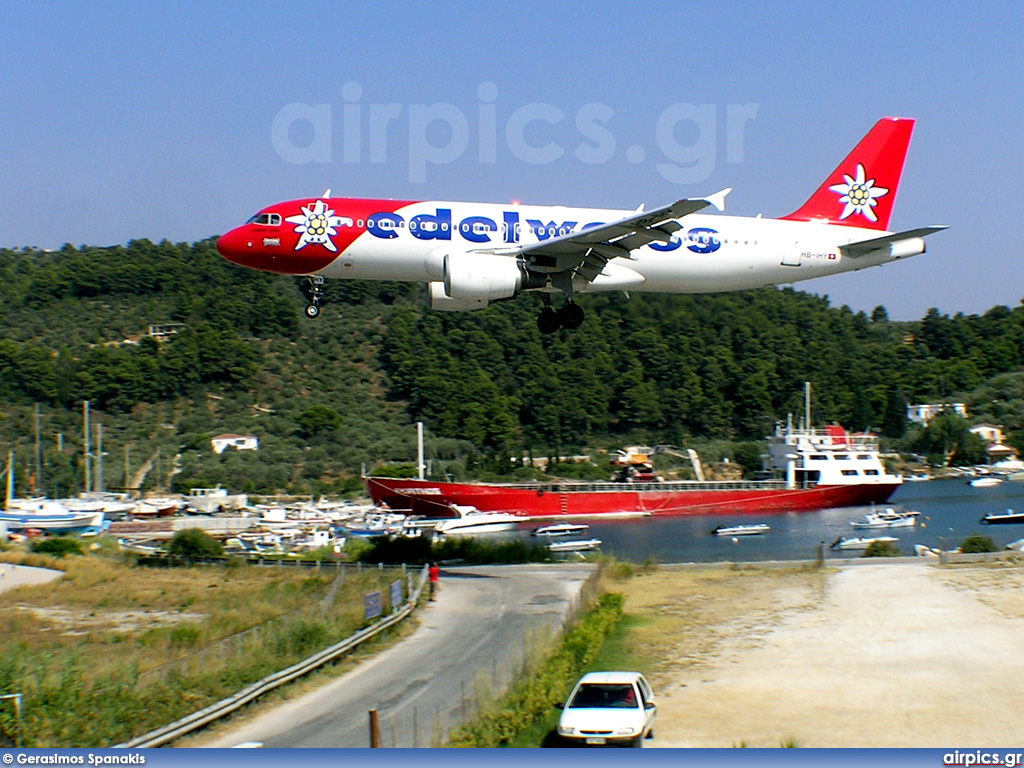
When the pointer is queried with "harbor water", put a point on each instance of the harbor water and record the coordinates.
(950, 512)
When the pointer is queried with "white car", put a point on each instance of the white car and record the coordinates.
(608, 708)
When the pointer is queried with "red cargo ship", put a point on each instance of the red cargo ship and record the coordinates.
(815, 469)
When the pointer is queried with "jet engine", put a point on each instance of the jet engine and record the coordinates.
(440, 300)
(481, 277)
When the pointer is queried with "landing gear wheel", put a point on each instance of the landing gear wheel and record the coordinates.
(548, 321)
(314, 291)
(570, 315)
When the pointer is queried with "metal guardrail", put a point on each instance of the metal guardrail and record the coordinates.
(226, 706)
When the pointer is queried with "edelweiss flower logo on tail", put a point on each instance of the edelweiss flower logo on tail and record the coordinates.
(317, 224)
(859, 194)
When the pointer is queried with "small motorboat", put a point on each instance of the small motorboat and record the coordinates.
(470, 520)
(579, 545)
(922, 551)
(561, 529)
(985, 482)
(1009, 517)
(855, 543)
(741, 530)
(887, 518)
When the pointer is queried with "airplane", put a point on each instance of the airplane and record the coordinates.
(473, 254)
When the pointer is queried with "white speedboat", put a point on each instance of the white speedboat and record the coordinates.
(470, 520)
(887, 518)
(855, 543)
(561, 529)
(985, 482)
(580, 545)
(741, 530)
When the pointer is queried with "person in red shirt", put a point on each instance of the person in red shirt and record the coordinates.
(434, 573)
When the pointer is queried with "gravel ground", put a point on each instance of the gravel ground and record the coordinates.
(874, 655)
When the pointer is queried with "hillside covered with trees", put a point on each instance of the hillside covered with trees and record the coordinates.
(326, 396)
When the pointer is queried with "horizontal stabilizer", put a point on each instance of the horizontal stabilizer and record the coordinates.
(853, 250)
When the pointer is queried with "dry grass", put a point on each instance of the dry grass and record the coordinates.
(154, 636)
(103, 602)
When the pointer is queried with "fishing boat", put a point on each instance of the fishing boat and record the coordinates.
(561, 529)
(51, 517)
(741, 530)
(1009, 517)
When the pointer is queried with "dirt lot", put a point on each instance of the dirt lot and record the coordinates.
(868, 655)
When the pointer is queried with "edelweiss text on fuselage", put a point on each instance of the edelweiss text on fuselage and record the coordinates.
(386, 225)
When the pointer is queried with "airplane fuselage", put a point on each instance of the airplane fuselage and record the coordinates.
(408, 242)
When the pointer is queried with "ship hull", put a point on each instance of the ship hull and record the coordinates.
(622, 499)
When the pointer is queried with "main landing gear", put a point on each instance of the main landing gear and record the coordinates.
(314, 291)
(569, 316)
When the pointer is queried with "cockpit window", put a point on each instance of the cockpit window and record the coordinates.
(266, 219)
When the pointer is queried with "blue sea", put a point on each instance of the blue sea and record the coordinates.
(950, 512)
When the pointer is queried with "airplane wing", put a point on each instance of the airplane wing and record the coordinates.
(588, 251)
(853, 250)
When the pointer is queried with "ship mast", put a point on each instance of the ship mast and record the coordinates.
(807, 404)
(419, 449)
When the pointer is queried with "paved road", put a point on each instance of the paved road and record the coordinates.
(484, 621)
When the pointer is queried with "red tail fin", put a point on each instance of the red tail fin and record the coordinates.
(860, 192)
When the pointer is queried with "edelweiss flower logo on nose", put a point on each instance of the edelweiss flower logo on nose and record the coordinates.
(317, 224)
(859, 194)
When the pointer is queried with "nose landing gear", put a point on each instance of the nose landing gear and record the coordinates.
(314, 291)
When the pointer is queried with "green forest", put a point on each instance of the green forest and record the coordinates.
(326, 397)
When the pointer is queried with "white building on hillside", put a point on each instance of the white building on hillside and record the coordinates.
(238, 442)
(925, 412)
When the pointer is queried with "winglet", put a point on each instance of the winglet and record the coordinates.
(718, 199)
(327, 193)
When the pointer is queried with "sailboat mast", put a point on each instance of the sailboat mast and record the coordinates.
(99, 456)
(10, 479)
(39, 454)
(85, 442)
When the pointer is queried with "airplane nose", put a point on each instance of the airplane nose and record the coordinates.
(235, 246)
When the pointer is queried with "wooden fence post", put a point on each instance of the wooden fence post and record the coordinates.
(374, 730)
